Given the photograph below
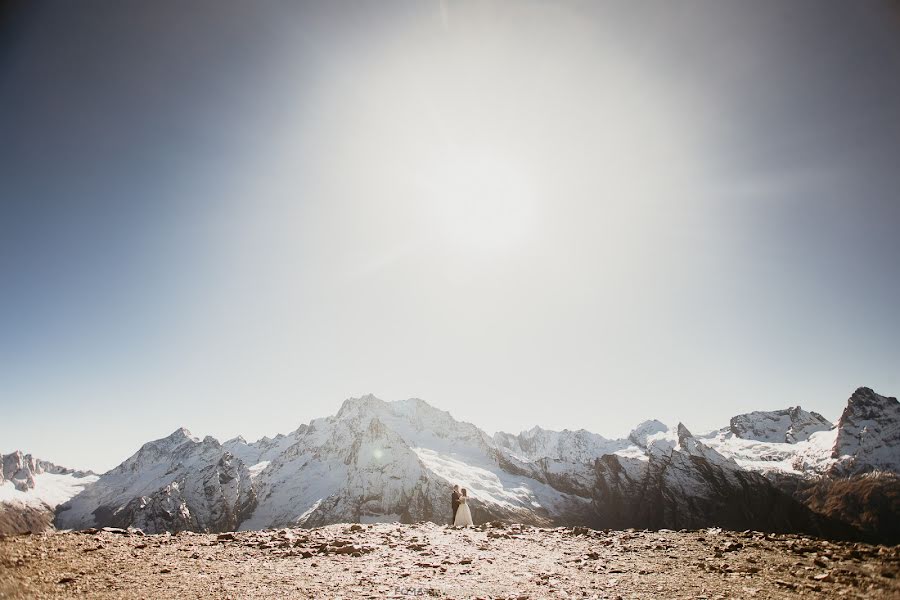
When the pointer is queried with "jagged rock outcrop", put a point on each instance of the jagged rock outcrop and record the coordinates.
(20, 469)
(538, 443)
(31, 489)
(263, 450)
(172, 484)
(868, 435)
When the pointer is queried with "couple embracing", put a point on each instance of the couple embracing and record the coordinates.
(462, 515)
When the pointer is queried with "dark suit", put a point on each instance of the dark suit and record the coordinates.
(454, 502)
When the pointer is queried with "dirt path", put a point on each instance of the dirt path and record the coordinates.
(427, 560)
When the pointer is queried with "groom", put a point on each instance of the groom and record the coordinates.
(454, 503)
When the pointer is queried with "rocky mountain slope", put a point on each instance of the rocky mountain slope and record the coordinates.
(377, 461)
(868, 435)
(173, 484)
(260, 453)
(865, 438)
(789, 425)
(847, 473)
(668, 478)
(31, 489)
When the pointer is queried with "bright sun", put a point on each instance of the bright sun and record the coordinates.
(481, 202)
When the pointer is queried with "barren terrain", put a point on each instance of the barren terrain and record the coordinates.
(428, 560)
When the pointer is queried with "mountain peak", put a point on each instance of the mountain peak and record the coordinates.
(180, 434)
(788, 425)
(864, 396)
(683, 433)
(868, 436)
(865, 403)
(350, 405)
(642, 432)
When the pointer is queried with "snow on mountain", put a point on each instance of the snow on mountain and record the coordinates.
(658, 476)
(376, 461)
(808, 458)
(642, 434)
(799, 443)
(50, 489)
(789, 425)
(537, 443)
(868, 434)
(847, 474)
(791, 441)
(397, 461)
(263, 450)
(666, 477)
(656, 438)
(31, 489)
(20, 470)
(171, 484)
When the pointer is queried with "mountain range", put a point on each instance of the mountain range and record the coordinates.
(376, 461)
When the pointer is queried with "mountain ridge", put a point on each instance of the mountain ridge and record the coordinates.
(375, 461)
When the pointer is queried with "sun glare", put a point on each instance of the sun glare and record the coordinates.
(481, 202)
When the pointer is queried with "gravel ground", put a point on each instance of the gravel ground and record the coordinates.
(428, 560)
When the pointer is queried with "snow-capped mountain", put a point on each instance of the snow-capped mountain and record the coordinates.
(848, 472)
(378, 461)
(537, 443)
(176, 483)
(263, 450)
(665, 477)
(20, 470)
(397, 461)
(789, 425)
(868, 435)
(31, 489)
(866, 438)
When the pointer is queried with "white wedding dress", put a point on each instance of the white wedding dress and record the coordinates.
(463, 514)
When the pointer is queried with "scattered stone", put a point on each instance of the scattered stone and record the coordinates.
(399, 561)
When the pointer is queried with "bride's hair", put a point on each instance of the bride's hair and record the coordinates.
(463, 492)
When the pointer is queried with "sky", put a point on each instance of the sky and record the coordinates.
(232, 216)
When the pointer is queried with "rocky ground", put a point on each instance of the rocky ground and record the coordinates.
(428, 560)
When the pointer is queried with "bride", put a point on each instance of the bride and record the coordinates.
(463, 514)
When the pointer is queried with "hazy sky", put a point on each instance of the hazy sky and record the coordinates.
(233, 216)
